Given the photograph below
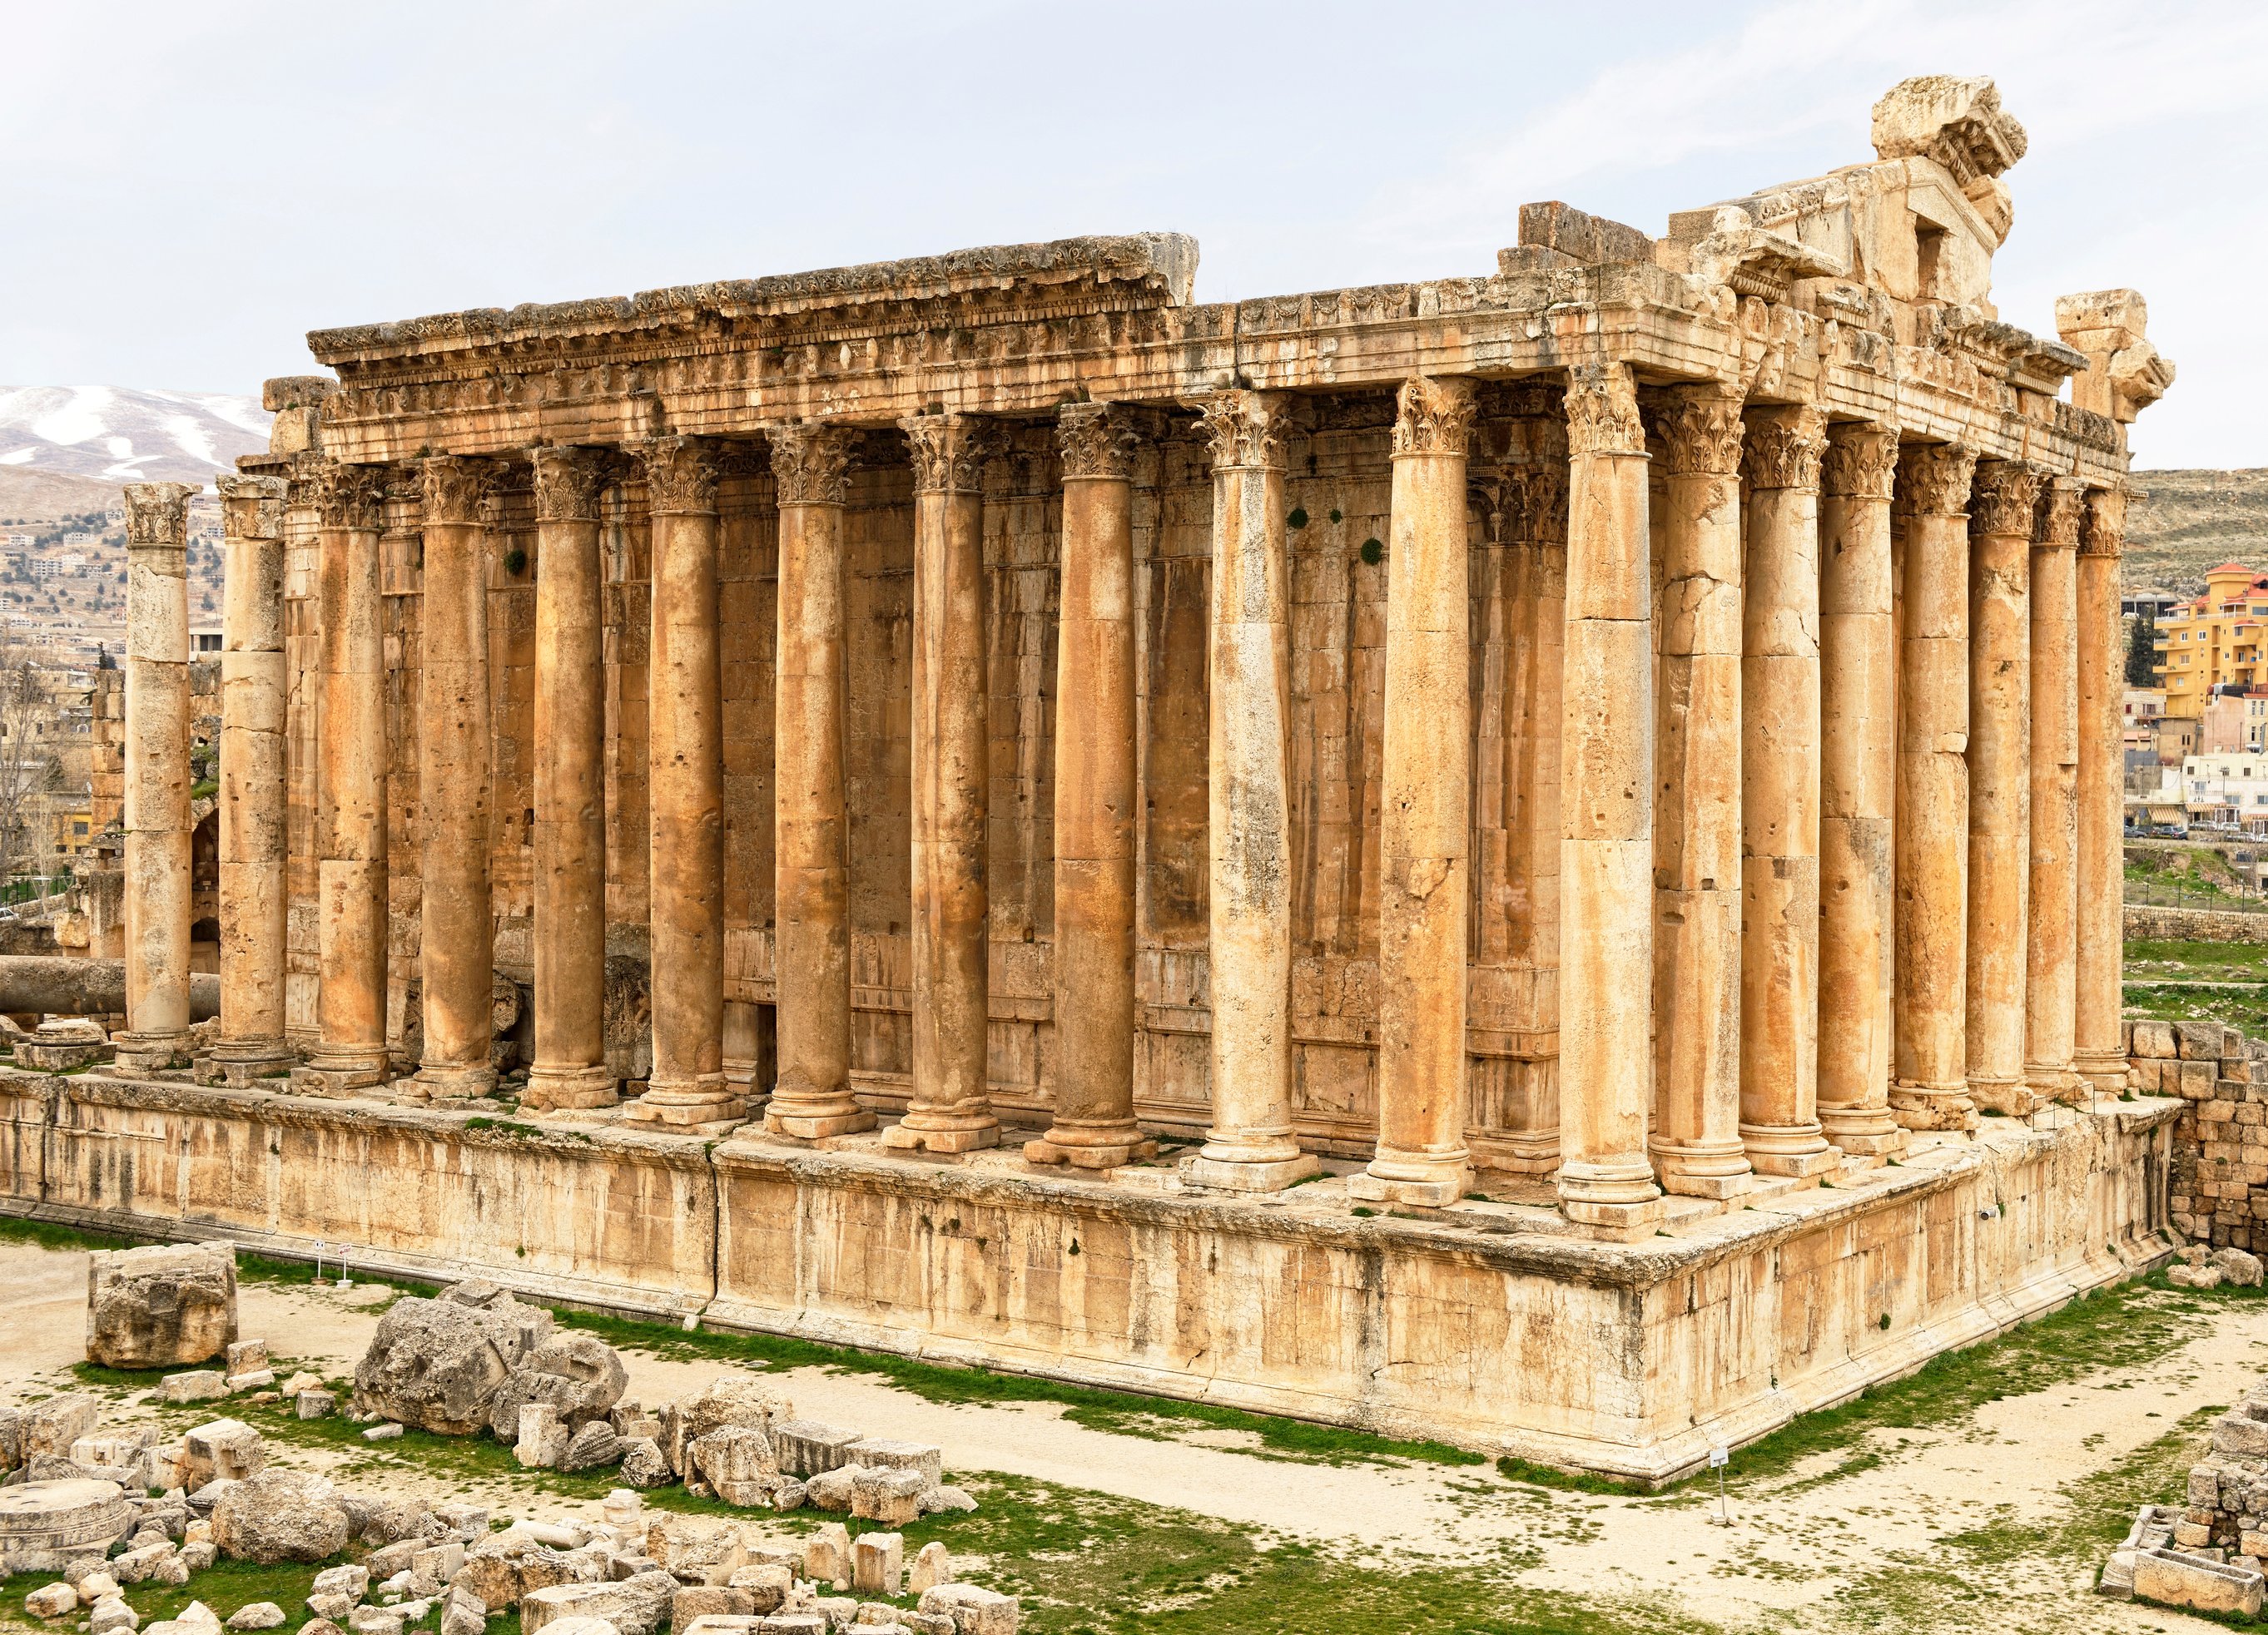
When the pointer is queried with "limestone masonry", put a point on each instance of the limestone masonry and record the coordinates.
(1576, 755)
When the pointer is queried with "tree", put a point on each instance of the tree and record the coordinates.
(28, 766)
(2141, 651)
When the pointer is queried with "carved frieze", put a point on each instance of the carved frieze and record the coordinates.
(1862, 460)
(1784, 447)
(1434, 416)
(1098, 440)
(1247, 430)
(2004, 497)
(568, 483)
(1700, 428)
(1933, 478)
(949, 451)
(811, 463)
(680, 476)
(1602, 416)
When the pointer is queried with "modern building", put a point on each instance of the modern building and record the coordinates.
(2228, 789)
(2213, 640)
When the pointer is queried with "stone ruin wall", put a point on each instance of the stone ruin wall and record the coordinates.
(1337, 637)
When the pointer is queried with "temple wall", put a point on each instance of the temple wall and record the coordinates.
(1501, 1333)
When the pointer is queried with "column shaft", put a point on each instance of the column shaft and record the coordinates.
(687, 1088)
(1696, 1140)
(1858, 784)
(157, 796)
(352, 912)
(2098, 1052)
(1606, 866)
(1249, 1146)
(1426, 809)
(456, 945)
(1932, 1092)
(1093, 1125)
(2052, 889)
(1779, 798)
(950, 1110)
(811, 1097)
(569, 831)
(2001, 523)
(255, 691)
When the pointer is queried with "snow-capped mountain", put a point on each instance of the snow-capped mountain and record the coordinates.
(124, 434)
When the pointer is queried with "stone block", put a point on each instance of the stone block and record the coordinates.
(974, 1610)
(932, 1567)
(767, 1585)
(387, 1431)
(161, 1305)
(437, 1364)
(643, 1464)
(259, 1614)
(576, 1373)
(314, 1404)
(280, 1515)
(593, 1447)
(878, 1454)
(827, 1554)
(2193, 1535)
(196, 1385)
(2193, 1277)
(833, 1490)
(51, 1426)
(543, 1437)
(877, 1564)
(2239, 1268)
(738, 1464)
(52, 1601)
(111, 1616)
(352, 1582)
(2198, 1041)
(892, 1497)
(2175, 1579)
(635, 1606)
(807, 1448)
(220, 1450)
(92, 1587)
(705, 1600)
(2153, 1039)
(248, 1356)
(435, 1566)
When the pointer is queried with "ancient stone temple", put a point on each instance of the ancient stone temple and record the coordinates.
(1614, 757)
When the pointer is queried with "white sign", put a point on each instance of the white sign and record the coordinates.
(1719, 1457)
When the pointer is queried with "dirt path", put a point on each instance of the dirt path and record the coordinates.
(1801, 1551)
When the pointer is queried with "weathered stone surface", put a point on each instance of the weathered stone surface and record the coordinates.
(635, 1606)
(438, 1364)
(464, 1613)
(644, 1465)
(2194, 1277)
(505, 1567)
(932, 1567)
(541, 1438)
(314, 1404)
(593, 1447)
(195, 1385)
(728, 1399)
(578, 1374)
(111, 1614)
(280, 1515)
(882, 1454)
(827, 1554)
(2176, 1578)
(52, 1601)
(220, 1450)
(809, 1447)
(45, 1525)
(974, 1610)
(52, 1425)
(877, 1563)
(833, 1490)
(161, 1305)
(2238, 1267)
(259, 1614)
(892, 1497)
(948, 1499)
(737, 1462)
(767, 1585)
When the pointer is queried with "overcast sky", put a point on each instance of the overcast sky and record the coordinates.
(190, 188)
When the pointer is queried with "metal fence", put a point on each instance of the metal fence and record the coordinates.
(2171, 894)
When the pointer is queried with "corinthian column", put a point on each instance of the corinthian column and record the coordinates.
(1857, 788)
(1426, 819)
(350, 752)
(1606, 856)
(2101, 863)
(157, 804)
(569, 831)
(1249, 1147)
(2052, 889)
(687, 1089)
(1779, 798)
(1696, 1141)
(811, 1097)
(2000, 521)
(1095, 794)
(254, 896)
(1932, 1092)
(950, 1110)
(456, 946)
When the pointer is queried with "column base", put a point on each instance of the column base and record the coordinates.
(809, 1122)
(149, 1053)
(339, 1075)
(1616, 1224)
(63, 1045)
(948, 1134)
(2105, 1070)
(2056, 1081)
(702, 1106)
(2011, 1097)
(450, 1083)
(1426, 1194)
(1247, 1175)
(568, 1089)
(244, 1064)
(1932, 1106)
(1701, 1169)
(1798, 1149)
(1525, 1152)
(1863, 1131)
(1098, 1147)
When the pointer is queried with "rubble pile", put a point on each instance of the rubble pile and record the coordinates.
(2208, 1554)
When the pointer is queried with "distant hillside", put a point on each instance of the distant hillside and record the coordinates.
(2192, 520)
(67, 448)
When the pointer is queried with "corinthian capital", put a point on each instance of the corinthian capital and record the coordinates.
(949, 451)
(1700, 428)
(680, 476)
(2060, 504)
(568, 483)
(1535, 502)
(453, 489)
(1862, 460)
(1933, 478)
(2005, 498)
(1602, 414)
(2102, 532)
(158, 513)
(1248, 430)
(1784, 448)
(1434, 416)
(350, 496)
(1097, 440)
(811, 464)
(251, 508)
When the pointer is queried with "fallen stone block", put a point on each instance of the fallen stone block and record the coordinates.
(737, 1462)
(2237, 1268)
(135, 1566)
(877, 1564)
(2193, 1277)
(507, 1566)
(315, 1404)
(280, 1515)
(437, 1364)
(260, 1615)
(369, 1620)
(52, 1601)
(220, 1450)
(2240, 1436)
(199, 1554)
(111, 1616)
(578, 1374)
(464, 1613)
(388, 1432)
(170, 1569)
(880, 1454)
(807, 1448)
(593, 1447)
(728, 1399)
(827, 1554)
(161, 1305)
(542, 1437)
(196, 1618)
(947, 1501)
(434, 1567)
(2175, 1577)
(643, 1464)
(196, 1385)
(582, 1625)
(92, 1587)
(932, 1567)
(891, 1497)
(52, 1425)
(636, 1606)
(789, 1494)
(767, 1585)
(705, 1601)
(833, 1490)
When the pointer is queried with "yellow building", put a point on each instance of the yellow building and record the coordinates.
(2213, 640)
